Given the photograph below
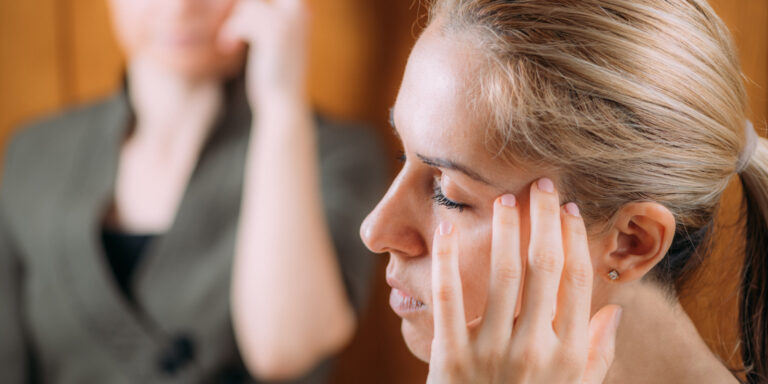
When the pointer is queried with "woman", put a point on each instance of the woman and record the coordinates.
(119, 220)
(563, 160)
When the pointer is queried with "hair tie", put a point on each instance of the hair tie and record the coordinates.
(749, 147)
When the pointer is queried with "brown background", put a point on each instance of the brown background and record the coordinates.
(56, 53)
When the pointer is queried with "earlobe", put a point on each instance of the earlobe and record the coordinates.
(636, 241)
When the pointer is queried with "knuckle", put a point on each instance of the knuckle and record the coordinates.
(442, 250)
(445, 293)
(529, 357)
(453, 365)
(548, 207)
(573, 357)
(507, 274)
(576, 226)
(492, 355)
(508, 218)
(547, 260)
(580, 275)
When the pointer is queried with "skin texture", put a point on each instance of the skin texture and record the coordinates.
(435, 119)
(179, 53)
(180, 35)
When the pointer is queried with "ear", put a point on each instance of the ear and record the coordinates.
(636, 241)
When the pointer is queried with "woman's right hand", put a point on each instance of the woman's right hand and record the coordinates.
(277, 34)
(537, 346)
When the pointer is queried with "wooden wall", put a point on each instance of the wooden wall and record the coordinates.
(56, 53)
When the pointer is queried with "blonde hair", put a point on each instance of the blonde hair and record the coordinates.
(630, 100)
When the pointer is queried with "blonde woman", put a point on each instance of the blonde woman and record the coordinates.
(200, 225)
(563, 161)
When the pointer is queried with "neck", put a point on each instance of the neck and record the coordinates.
(170, 107)
(658, 343)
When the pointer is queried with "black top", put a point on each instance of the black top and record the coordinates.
(124, 251)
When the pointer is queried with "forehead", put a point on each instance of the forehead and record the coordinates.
(434, 97)
(436, 112)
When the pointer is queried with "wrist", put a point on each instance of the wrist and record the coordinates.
(282, 120)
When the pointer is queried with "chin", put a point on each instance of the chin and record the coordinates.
(419, 341)
(202, 64)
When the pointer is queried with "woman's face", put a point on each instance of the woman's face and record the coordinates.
(180, 35)
(449, 174)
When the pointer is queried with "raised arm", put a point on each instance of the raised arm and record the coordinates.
(290, 307)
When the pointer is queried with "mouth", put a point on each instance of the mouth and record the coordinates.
(402, 302)
(184, 39)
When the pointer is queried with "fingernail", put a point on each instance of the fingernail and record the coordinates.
(508, 200)
(445, 228)
(617, 318)
(546, 185)
(572, 209)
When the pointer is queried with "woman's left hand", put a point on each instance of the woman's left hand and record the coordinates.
(552, 340)
(277, 34)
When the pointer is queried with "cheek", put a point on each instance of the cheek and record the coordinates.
(474, 267)
(220, 9)
(130, 23)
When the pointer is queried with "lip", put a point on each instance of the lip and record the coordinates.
(183, 39)
(403, 303)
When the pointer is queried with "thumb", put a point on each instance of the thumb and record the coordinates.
(602, 343)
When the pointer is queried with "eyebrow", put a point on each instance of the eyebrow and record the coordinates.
(452, 165)
(439, 162)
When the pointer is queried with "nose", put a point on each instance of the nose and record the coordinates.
(393, 226)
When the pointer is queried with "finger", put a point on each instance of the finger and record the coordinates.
(447, 298)
(602, 343)
(575, 293)
(506, 271)
(241, 25)
(545, 257)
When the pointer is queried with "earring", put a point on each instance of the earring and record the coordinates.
(613, 275)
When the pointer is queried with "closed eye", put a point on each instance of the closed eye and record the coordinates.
(439, 198)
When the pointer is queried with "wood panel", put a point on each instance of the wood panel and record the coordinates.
(93, 61)
(748, 22)
(30, 66)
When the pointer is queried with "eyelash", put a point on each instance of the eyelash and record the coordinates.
(401, 156)
(440, 199)
(438, 196)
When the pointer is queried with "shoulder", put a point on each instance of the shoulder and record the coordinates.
(42, 150)
(58, 130)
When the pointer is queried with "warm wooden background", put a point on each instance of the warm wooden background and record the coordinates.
(56, 53)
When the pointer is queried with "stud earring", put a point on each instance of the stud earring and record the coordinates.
(613, 275)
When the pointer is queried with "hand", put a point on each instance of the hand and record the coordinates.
(276, 32)
(535, 346)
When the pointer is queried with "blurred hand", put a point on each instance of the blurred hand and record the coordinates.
(276, 32)
(537, 346)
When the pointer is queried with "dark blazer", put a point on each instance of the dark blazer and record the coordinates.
(63, 318)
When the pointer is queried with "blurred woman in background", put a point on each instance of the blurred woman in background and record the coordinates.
(564, 161)
(134, 232)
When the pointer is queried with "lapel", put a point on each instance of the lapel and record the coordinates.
(104, 311)
(200, 242)
(137, 335)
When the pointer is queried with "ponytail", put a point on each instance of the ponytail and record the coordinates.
(753, 309)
